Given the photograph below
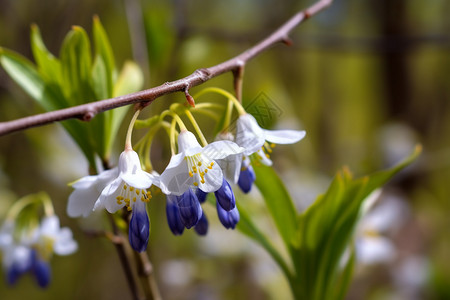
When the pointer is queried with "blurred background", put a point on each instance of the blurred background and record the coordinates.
(366, 79)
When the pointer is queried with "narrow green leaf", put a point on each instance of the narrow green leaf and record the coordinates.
(278, 201)
(48, 65)
(76, 67)
(103, 52)
(326, 228)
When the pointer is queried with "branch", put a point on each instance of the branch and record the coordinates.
(86, 112)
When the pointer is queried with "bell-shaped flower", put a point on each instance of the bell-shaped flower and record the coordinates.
(87, 190)
(195, 166)
(176, 225)
(128, 187)
(225, 196)
(202, 225)
(229, 219)
(258, 140)
(247, 176)
(190, 209)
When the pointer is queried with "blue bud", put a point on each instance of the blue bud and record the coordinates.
(201, 195)
(202, 226)
(41, 270)
(225, 196)
(139, 231)
(229, 219)
(13, 273)
(173, 215)
(246, 179)
(190, 209)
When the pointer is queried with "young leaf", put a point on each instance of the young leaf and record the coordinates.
(76, 67)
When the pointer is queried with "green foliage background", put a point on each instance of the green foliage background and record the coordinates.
(355, 72)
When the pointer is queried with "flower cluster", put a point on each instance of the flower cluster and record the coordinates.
(192, 173)
(29, 250)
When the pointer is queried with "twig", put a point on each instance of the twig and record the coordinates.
(87, 111)
(120, 247)
(145, 272)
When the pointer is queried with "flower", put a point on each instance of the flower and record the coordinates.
(202, 225)
(231, 164)
(189, 208)
(32, 252)
(253, 138)
(195, 166)
(129, 190)
(87, 190)
(176, 225)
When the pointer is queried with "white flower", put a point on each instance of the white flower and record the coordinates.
(129, 186)
(87, 190)
(372, 244)
(195, 166)
(253, 138)
(54, 239)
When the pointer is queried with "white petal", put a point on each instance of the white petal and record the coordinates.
(65, 244)
(248, 134)
(81, 202)
(108, 197)
(231, 167)
(175, 178)
(221, 149)
(284, 136)
(141, 180)
(186, 141)
(129, 162)
(85, 182)
(50, 226)
(213, 180)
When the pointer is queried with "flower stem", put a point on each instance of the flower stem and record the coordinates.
(222, 92)
(197, 128)
(130, 130)
(42, 197)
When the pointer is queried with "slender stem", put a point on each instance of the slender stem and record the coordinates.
(172, 136)
(145, 272)
(228, 112)
(87, 111)
(196, 127)
(238, 75)
(130, 130)
(222, 92)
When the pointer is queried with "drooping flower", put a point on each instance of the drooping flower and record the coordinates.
(231, 164)
(253, 138)
(31, 253)
(87, 190)
(129, 189)
(195, 166)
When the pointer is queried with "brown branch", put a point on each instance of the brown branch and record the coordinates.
(87, 111)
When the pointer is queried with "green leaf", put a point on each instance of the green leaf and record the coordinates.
(49, 66)
(24, 73)
(76, 67)
(104, 53)
(326, 227)
(278, 201)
